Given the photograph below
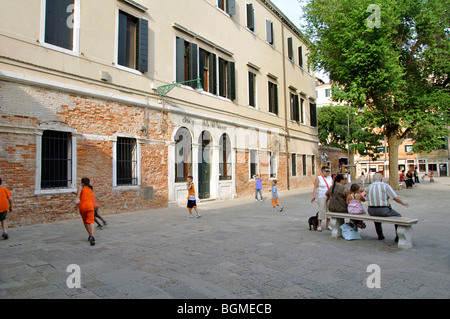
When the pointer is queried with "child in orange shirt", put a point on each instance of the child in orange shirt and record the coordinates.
(5, 207)
(86, 207)
(192, 203)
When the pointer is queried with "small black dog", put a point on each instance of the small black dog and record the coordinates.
(313, 221)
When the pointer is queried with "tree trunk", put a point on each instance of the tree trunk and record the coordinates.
(394, 143)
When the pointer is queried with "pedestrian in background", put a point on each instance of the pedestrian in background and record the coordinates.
(5, 207)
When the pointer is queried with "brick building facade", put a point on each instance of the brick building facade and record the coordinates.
(90, 109)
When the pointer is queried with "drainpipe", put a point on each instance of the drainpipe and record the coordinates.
(285, 108)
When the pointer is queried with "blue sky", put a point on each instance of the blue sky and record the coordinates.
(293, 10)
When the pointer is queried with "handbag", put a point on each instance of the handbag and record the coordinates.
(349, 233)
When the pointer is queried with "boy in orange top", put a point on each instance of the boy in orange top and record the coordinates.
(191, 197)
(86, 207)
(5, 207)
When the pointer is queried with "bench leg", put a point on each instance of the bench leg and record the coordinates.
(404, 237)
(336, 225)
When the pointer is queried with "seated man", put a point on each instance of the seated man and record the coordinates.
(378, 196)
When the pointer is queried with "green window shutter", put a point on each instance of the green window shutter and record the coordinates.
(212, 73)
(300, 56)
(231, 7)
(250, 17)
(221, 77)
(269, 31)
(313, 114)
(231, 81)
(251, 89)
(122, 49)
(180, 52)
(192, 67)
(275, 98)
(142, 46)
(201, 67)
(296, 108)
(290, 49)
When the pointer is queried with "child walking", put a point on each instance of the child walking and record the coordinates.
(5, 207)
(258, 187)
(86, 208)
(96, 214)
(354, 201)
(192, 203)
(275, 201)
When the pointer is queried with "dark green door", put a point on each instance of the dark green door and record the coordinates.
(204, 166)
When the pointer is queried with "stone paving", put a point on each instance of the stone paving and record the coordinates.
(238, 249)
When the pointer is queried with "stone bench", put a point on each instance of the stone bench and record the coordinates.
(404, 230)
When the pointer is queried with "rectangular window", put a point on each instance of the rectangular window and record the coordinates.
(294, 164)
(225, 158)
(302, 111)
(59, 23)
(56, 160)
(229, 6)
(250, 17)
(304, 164)
(208, 71)
(313, 165)
(312, 114)
(295, 112)
(269, 32)
(272, 165)
(252, 89)
(290, 49)
(186, 62)
(132, 42)
(273, 98)
(327, 92)
(126, 161)
(227, 81)
(253, 163)
(300, 57)
(408, 148)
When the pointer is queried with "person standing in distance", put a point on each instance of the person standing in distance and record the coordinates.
(321, 184)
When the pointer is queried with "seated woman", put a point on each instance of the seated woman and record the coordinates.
(337, 195)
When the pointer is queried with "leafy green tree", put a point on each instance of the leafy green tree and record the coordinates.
(391, 57)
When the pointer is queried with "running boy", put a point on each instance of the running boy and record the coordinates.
(5, 207)
(96, 214)
(275, 201)
(192, 203)
(86, 207)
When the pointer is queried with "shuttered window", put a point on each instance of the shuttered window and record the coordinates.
(269, 32)
(300, 57)
(186, 62)
(227, 81)
(59, 23)
(295, 112)
(208, 71)
(313, 114)
(250, 17)
(229, 6)
(290, 49)
(251, 89)
(133, 42)
(273, 98)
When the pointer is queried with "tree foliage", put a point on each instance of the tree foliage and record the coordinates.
(399, 70)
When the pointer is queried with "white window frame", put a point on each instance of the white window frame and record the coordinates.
(250, 163)
(138, 162)
(116, 45)
(37, 178)
(76, 30)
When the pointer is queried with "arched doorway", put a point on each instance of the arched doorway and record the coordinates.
(204, 165)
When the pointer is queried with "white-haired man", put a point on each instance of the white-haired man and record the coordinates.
(378, 195)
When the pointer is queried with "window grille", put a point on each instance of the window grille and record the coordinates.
(56, 161)
(126, 161)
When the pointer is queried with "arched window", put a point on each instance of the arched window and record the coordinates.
(183, 154)
(225, 158)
